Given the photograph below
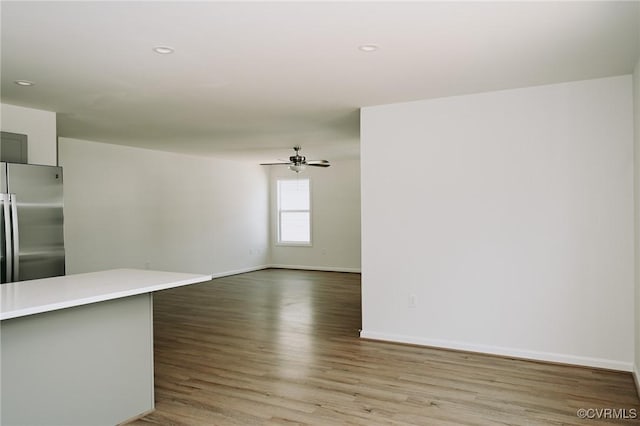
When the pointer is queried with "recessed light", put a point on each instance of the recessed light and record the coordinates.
(24, 83)
(163, 50)
(369, 47)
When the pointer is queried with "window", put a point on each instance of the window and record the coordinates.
(294, 213)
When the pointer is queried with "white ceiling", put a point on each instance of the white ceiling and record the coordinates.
(252, 79)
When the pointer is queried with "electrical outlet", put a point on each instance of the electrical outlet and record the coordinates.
(412, 301)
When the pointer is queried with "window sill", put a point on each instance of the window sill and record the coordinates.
(288, 244)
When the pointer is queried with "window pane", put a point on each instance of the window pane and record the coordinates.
(294, 227)
(293, 194)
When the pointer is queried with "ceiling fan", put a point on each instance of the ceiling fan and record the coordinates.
(298, 162)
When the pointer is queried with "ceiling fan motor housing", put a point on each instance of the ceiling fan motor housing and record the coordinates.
(298, 159)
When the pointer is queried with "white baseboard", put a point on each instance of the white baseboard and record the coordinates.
(238, 271)
(278, 266)
(502, 351)
(317, 268)
(636, 379)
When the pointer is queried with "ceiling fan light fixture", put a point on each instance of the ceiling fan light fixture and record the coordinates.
(297, 167)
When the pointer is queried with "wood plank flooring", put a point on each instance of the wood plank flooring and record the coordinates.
(282, 347)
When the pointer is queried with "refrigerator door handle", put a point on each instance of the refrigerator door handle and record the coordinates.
(16, 240)
(8, 258)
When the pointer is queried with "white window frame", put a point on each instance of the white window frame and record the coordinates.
(278, 241)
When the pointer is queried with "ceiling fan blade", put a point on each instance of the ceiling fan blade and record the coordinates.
(298, 162)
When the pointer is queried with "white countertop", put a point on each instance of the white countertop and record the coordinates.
(49, 294)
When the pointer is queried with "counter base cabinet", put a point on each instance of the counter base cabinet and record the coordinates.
(86, 365)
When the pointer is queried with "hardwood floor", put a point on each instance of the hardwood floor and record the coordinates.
(282, 347)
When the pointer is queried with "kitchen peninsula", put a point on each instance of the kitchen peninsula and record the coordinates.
(78, 349)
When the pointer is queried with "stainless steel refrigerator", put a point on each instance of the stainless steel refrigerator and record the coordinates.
(31, 222)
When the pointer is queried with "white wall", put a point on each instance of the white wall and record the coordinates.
(141, 177)
(335, 205)
(511, 227)
(129, 207)
(40, 128)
